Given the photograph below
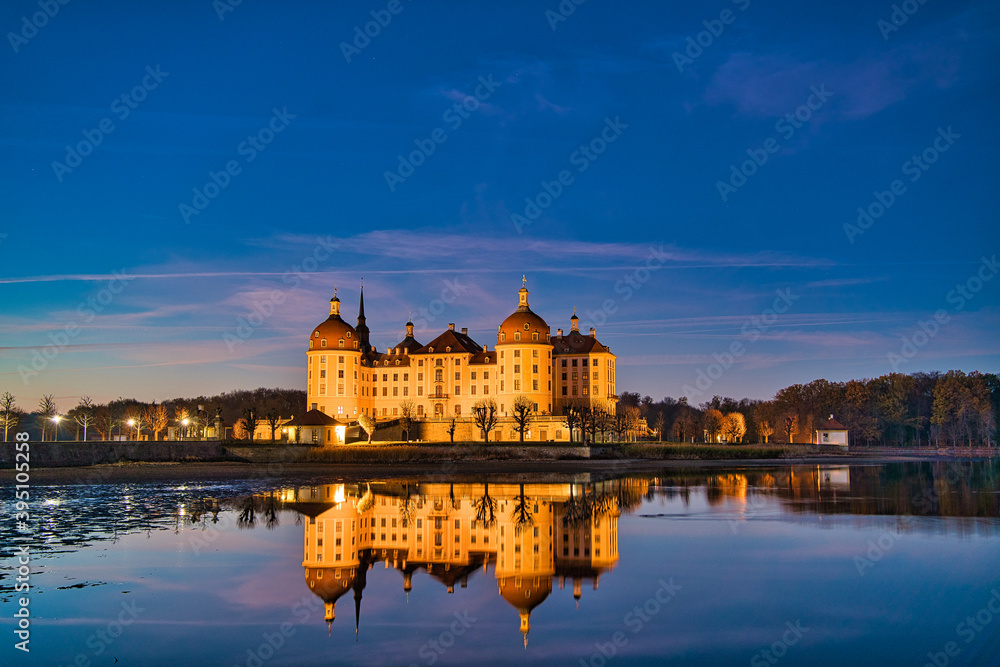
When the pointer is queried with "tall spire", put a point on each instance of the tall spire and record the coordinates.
(362, 328)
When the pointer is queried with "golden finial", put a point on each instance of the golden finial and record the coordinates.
(335, 290)
(524, 280)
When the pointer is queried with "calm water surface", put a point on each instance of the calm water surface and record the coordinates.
(860, 565)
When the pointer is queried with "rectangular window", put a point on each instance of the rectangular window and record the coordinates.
(385, 391)
(574, 363)
(584, 390)
(395, 391)
(406, 391)
(534, 368)
(340, 374)
(517, 353)
(517, 368)
(486, 389)
(534, 353)
(473, 390)
(458, 375)
(395, 377)
(420, 376)
(584, 362)
(322, 359)
(420, 391)
(534, 386)
(406, 377)
(486, 375)
(458, 390)
(473, 375)
(564, 391)
(517, 385)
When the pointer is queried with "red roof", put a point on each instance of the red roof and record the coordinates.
(831, 424)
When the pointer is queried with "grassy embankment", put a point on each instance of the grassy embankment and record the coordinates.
(424, 452)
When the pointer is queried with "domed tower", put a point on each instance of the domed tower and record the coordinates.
(524, 355)
(333, 363)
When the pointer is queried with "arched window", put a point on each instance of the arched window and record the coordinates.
(322, 343)
(517, 335)
(341, 343)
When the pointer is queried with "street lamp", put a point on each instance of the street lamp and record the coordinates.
(184, 423)
(131, 422)
(55, 420)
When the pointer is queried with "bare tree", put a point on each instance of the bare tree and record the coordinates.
(135, 418)
(273, 421)
(604, 421)
(764, 429)
(156, 418)
(790, 426)
(83, 414)
(368, 423)
(451, 430)
(407, 412)
(712, 424)
(46, 411)
(523, 411)
(571, 415)
(484, 413)
(658, 424)
(633, 423)
(10, 414)
(183, 418)
(250, 420)
(735, 427)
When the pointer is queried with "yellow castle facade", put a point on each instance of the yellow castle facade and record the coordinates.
(444, 378)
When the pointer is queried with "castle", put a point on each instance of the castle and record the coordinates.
(347, 377)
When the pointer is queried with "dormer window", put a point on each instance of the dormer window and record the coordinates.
(448, 349)
(316, 334)
(430, 349)
(322, 343)
(348, 334)
(503, 337)
(310, 344)
(534, 336)
(526, 326)
(517, 335)
(341, 343)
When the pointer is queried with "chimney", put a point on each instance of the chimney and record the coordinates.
(593, 332)
(559, 332)
(465, 331)
(451, 326)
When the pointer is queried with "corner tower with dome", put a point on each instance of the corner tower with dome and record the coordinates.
(440, 381)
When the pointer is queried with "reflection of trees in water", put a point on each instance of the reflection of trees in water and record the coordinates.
(486, 507)
(521, 515)
(247, 507)
(407, 507)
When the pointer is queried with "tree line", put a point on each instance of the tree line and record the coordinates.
(133, 419)
(894, 410)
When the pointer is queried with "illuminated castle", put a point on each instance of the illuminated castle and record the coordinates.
(348, 377)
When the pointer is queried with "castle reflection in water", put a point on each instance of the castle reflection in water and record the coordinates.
(531, 534)
(537, 535)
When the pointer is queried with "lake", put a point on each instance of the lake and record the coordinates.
(877, 564)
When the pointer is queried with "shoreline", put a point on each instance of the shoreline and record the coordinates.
(227, 470)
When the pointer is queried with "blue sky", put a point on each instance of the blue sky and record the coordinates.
(641, 138)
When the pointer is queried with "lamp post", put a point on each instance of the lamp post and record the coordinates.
(131, 422)
(55, 430)
(184, 423)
